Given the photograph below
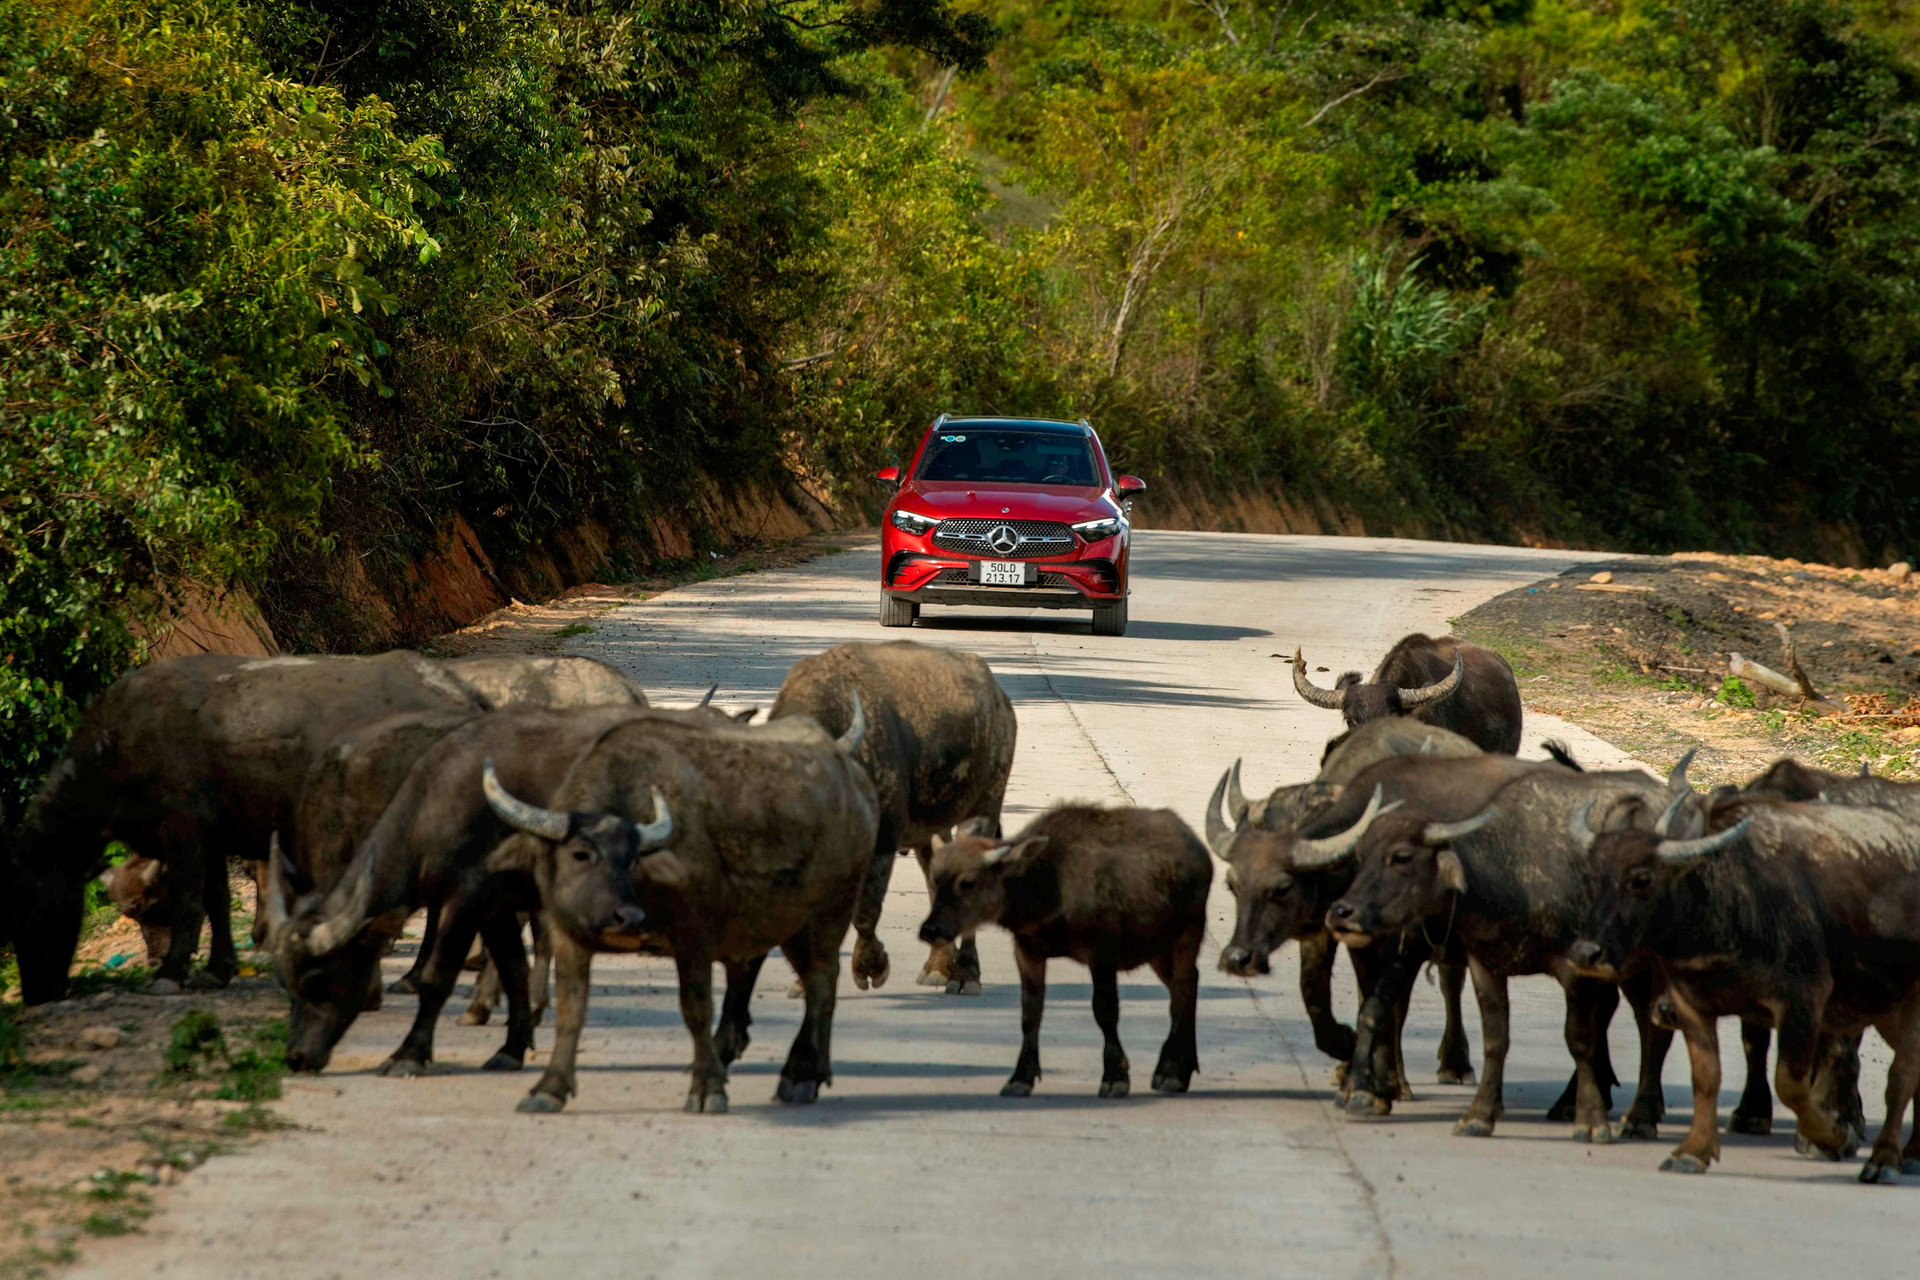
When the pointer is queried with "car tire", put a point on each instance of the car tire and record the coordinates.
(895, 612)
(1110, 619)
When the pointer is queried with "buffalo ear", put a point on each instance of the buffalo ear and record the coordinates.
(149, 871)
(665, 868)
(745, 717)
(1026, 851)
(518, 852)
(1452, 875)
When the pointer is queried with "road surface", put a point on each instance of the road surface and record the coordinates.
(912, 1164)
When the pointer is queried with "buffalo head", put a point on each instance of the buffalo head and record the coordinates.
(1644, 885)
(1406, 872)
(973, 876)
(1359, 701)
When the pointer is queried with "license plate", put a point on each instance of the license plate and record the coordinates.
(1003, 573)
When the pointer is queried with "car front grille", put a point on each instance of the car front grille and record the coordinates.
(958, 577)
(1005, 539)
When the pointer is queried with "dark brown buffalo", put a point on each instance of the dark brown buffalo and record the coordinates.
(137, 888)
(1512, 886)
(752, 838)
(1805, 916)
(1452, 684)
(1111, 888)
(939, 746)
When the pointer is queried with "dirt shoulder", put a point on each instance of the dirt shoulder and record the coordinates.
(1638, 651)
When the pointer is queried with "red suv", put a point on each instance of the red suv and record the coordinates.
(1016, 512)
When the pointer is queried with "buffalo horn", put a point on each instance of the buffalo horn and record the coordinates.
(1236, 798)
(1435, 834)
(656, 833)
(1665, 824)
(706, 699)
(277, 882)
(1411, 698)
(1686, 850)
(1311, 855)
(518, 814)
(339, 927)
(1219, 834)
(849, 741)
(1580, 827)
(1677, 780)
(1324, 698)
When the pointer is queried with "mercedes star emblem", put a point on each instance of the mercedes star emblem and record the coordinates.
(1004, 540)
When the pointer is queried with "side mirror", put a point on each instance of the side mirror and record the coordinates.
(1130, 485)
(889, 474)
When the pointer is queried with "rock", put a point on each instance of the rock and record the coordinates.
(100, 1037)
(1605, 575)
(1899, 571)
(101, 999)
(87, 1075)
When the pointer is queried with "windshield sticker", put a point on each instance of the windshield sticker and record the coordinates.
(951, 439)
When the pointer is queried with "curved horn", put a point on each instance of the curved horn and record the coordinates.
(1312, 855)
(1665, 824)
(338, 928)
(518, 814)
(1580, 827)
(1411, 698)
(277, 881)
(1236, 798)
(656, 833)
(1439, 833)
(706, 699)
(1324, 698)
(1219, 834)
(1677, 780)
(849, 741)
(1687, 850)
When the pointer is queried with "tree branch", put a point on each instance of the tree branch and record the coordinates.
(1385, 77)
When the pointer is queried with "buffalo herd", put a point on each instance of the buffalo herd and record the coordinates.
(500, 792)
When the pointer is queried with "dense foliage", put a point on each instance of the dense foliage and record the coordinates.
(285, 282)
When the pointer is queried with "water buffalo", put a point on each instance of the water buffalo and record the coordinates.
(138, 889)
(1111, 888)
(754, 838)
(939, 747)
(1453, 684)
(1512, 886)
(1806, 916)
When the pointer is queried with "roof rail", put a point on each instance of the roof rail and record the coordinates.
(942, 418)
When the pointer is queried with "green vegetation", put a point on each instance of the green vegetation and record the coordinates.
(1734, 693)
(198, 1046)
(290, 285)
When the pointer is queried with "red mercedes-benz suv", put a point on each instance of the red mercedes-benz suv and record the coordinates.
(1014, 512)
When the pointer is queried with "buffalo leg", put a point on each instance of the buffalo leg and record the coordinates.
(501, 933)
(1115, 1071)
(542, 964)
(1490, 989)
(408, 983)
(223, 962)
(1180, 1055)
(810, 1062)
(1649, 1101)
(185, 857)
(939, 968)
(707, 1091)
(1837, 1080)
(1590, 1005)
(1754, 1114)
(1567, 1105)
(1902, 1031)
(730, 1038)
(1701, 1146)
(1384, 972)
(1910, 1155)
(460, 921)
(1033, 1002)
(1818, 1131)
(870, 963)
(486, 994)
(573, 973)
(1456, 1056)
(1331, 1036)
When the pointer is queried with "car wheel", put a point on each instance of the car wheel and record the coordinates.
(895, 612)
(1110, 619)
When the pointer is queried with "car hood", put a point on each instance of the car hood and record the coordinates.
(988, 500)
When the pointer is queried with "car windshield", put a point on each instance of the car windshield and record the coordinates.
(1009, 456)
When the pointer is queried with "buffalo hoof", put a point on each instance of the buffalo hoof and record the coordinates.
(476, 1017)
(1472, 1127)
(503, 1061)
(1761, 1125)
(1338, 1077)
(1881, 1175)
(163, 987)
(1362, 1105)
(1451, 1075)
(870, 965)
(1115, 1088)
(729, 1042)
(1683, 1162)
(404, 985)
(798, 991)
(710, 1104)
(963, 987)
(1017, 1089)
(797, 1091)
(1168, 1082)
(1403, 1092)
(1597, 1133)
(541, 1104)
(1635, 1130)
(1814, 1151)
(932, 975)
(403, 1067)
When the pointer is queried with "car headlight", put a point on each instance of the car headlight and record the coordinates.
(1094, 530)
(907, 522)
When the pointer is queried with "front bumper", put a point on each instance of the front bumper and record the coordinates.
(914, 569)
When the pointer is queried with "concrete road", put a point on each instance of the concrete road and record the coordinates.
(912, 1164)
